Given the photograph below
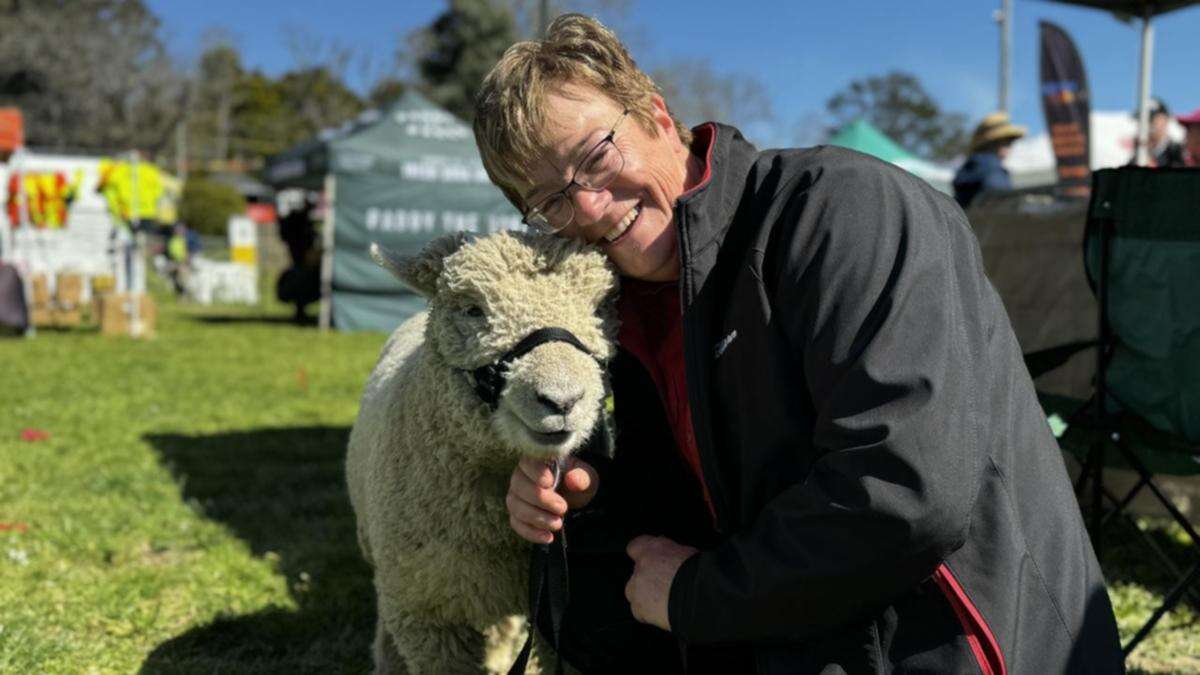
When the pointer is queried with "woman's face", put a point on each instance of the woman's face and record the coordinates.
(632, 219)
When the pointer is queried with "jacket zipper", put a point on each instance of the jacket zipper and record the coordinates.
(692, 352)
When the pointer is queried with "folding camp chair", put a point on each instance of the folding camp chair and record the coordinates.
(1142, 258)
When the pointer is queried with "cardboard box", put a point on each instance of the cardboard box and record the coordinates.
(39, 289)
(68, 291)
(115, 310)
(67, 318)
(41, 316)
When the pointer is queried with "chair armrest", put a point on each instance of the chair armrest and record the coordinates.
(1044, 360)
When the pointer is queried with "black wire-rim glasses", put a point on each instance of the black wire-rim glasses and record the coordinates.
(594, 173)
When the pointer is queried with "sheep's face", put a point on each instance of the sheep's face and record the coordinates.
(486, 295)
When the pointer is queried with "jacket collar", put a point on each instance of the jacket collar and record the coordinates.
(704, 213)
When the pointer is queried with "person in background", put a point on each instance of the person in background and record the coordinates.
(300, 283)
(1191, 122)
(1164, 153)
(984, 169)
(178, 255)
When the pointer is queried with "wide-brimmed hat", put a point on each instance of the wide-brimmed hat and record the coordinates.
(1190, 118)
(995, 127)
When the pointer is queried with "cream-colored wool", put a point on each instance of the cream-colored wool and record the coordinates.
(429, 462)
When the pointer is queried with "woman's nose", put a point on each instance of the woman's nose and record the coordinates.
(590, 206)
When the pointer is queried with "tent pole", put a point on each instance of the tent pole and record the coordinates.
(1143, 131)
(327, 253)
(1004, 17)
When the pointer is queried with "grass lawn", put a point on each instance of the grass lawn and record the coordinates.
(188, 513)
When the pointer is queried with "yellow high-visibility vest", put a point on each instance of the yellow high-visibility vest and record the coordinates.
(48, 197)
(117, 185)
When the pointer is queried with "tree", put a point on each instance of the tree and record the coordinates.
(696, 93)
(386, 91)
(900, 107)
(458, 49)
(320, 98)
(89, 74)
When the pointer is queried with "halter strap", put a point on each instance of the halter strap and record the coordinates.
(489, 379)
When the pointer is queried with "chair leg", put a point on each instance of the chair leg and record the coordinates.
(1193, 573)
(1168, 604)
(1162, 497)
(1119, 506)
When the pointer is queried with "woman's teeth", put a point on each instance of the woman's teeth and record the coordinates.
(619, 228)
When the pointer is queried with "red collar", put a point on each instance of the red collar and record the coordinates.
(703, 138)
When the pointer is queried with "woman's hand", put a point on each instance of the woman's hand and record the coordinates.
(535, 509)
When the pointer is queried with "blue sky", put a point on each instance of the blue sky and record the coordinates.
(801, 50)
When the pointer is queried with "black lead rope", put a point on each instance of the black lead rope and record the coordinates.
(547, 573)
(489, 379)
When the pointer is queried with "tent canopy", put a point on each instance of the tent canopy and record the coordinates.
(1138, 8)
(400, 177)
(864, 137)
(377, 141)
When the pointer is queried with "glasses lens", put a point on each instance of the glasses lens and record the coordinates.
(600, 167)
(551, 216)
(558, 211)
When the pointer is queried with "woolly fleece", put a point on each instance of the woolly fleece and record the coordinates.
(429, 463)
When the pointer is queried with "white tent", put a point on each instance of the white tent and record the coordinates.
(1112, 135)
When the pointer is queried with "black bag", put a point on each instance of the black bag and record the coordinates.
(14, 314)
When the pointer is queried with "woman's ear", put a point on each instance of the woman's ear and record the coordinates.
(662, 117)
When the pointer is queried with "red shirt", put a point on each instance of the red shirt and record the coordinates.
(652, 330)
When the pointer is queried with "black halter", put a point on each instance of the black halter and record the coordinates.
(489, 379)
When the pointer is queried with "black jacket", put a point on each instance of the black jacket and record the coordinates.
(889, 496)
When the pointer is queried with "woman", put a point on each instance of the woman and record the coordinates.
(828, 446)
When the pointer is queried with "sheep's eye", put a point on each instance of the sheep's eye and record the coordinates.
(474, 311)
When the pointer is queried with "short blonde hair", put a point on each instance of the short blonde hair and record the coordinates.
(510, 118)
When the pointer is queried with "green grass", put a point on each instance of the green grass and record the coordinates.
(188, 512)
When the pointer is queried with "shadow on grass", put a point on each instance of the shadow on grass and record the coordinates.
(283, 492)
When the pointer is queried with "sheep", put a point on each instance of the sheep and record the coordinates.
(429, 461)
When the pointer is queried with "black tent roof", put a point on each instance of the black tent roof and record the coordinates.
(1138, 8)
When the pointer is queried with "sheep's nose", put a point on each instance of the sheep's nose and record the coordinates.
(560, 403)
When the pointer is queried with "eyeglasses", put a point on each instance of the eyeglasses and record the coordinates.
(594, 173)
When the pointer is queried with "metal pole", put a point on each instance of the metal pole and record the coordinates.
(1004, 18)
(327, 253)
(543, 21)
(132, 256)
(1143, 130)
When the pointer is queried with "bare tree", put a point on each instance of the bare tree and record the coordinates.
(89, 74)
(317, 81)
(696, 93)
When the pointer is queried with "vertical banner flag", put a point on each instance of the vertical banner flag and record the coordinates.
(1067, 104)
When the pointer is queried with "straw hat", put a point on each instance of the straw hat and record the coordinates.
(995, 127)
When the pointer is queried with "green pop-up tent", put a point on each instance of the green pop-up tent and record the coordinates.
(864, 137)
(400, 177)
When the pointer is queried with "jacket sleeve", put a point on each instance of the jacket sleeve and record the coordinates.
(870, 294)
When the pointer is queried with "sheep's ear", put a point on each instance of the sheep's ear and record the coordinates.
(420, 272)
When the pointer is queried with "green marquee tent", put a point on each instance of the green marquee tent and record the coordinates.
(400, 177)
(864, 137)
